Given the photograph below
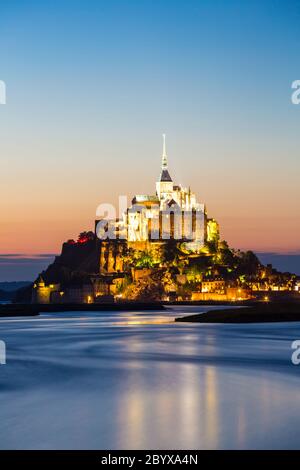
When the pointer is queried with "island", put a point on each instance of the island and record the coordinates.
(164, 249)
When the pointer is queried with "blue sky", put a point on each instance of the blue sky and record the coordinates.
(91, 86)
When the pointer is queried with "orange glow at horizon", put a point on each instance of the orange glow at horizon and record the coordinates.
(44, 203)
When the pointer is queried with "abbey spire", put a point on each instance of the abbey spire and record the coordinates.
(164, 154)
(164, 176)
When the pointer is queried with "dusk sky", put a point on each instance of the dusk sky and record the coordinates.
(92, 85)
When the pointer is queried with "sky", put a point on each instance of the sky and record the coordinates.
(92, 85)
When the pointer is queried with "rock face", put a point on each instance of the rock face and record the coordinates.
(75, 265)
(77, 262)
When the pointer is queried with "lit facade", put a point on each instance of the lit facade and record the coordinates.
(173, 212)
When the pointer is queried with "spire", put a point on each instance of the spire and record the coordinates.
(164, 176)
(164, 165)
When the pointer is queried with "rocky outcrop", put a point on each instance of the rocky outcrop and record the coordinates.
(75, 264)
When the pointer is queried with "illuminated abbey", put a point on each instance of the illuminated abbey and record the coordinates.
(173, 213)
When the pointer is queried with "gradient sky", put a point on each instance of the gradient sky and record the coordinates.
(91, 86)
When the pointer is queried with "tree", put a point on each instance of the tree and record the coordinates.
(85, 237)
(145, 261)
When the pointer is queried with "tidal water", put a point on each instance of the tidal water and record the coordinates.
(121, 380)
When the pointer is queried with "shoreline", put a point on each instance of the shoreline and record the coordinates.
(241, 312)
(30, 310)
(259, 313)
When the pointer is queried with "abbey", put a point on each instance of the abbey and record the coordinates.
(153, 222)
(172, 213)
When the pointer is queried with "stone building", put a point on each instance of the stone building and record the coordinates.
(42, 293)
(173, 212)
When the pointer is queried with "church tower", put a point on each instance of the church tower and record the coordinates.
(164, 187)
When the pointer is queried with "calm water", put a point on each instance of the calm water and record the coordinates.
(122, 380)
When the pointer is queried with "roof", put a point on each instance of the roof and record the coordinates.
(165, 176)
(172, 203)
(144, 198)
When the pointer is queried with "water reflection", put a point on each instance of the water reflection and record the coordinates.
(141, 381)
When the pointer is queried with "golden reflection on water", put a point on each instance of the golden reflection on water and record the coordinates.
(136, 321)
(241, 425)
(189, 402)
(188, 412)
(132, 419)
(174, 398)
(211, 399)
